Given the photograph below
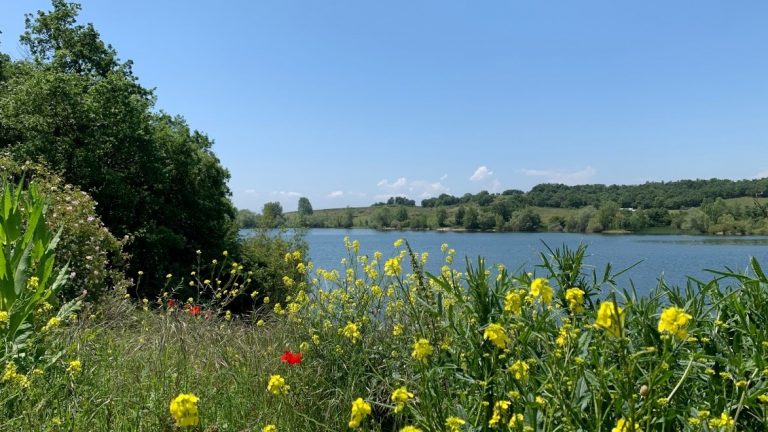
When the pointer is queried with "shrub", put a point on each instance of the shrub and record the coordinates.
(91, 251)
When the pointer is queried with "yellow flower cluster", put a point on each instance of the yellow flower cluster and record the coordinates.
(624, 426)
(515, 420)
(513, 301)
(351, 332)
(392, 267)
(277, 385)
(184, 410)
(540, 288)
(497, 335)
(421, 350)
(11, 375)
(499, 408)
(360, 410)
(519, 370)
(575, 299)
(74, 367)
(674, 321)
(724, 421)
(454, 423)
(610, 317)
(400, 397)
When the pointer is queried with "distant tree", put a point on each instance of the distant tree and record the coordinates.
(607, 213)
(459, 217)
(401, 214)
(442, 216)
(525, 220)
(272, 215)
(349, 218)
(382, 217)
(305, 207)
(419, 221)
(401, 201)
(483, 198)
(247, 219)
(471, 219)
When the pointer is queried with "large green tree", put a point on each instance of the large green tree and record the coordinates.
(75, 106)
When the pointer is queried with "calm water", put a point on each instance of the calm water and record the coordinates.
(673, 256)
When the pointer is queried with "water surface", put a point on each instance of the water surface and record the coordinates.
(670, 256)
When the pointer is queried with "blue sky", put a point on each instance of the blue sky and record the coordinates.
(349, 102)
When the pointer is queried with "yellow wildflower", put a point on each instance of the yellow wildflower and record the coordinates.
(33, 282)
(269, 428)
(184, 410)
(4, 317)
(350, 331)
(277, 385)
(397, 330)
(575, 299)
(540, 288)
(74, 367)
(360, 410)
(398, 243)
(674, 321)
(392, 267)
(513, 302)
(421, 350)
(499, 408)
(516, 420)
(724, 421)
(52, 323)
(519, 370)
(400, 396)
(610, 317)
(410, 429)
(624, 426)
(497, 335)
(453, 423)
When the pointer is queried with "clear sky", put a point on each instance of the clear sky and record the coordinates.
(350, 102)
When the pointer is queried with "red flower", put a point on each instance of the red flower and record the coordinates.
(171, 303)
(291, 358)
(194, 310)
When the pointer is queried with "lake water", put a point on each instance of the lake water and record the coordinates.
(673, 256)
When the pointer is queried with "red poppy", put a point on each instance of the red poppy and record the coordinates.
(171, 303)
(194, 310)
(291, 358)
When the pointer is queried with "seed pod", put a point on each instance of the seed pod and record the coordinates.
(644, 390)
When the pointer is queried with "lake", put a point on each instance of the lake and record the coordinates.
(672, 256)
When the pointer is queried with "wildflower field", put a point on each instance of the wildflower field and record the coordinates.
(380, 345)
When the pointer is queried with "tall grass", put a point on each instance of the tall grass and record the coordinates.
(503, 354)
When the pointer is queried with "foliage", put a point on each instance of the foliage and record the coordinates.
(29, 278)
(85, 245)
(74, 106)
(480, 349)
(277, 262)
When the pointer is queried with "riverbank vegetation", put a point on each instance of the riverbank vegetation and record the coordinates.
(381, 345)
(687, 206)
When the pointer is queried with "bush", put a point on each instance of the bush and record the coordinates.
(277, 262)
(86, 245)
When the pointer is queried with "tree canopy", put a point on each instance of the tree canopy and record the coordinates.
(73, 105)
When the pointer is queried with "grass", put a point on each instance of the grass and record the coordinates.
(495, 350)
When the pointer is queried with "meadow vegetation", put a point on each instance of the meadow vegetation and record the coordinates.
(127, 303)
